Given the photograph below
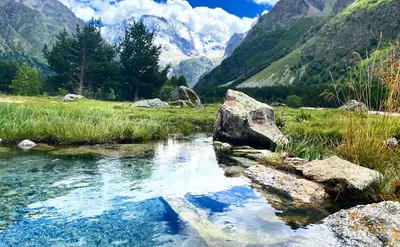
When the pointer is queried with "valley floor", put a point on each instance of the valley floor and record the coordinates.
(314, 133)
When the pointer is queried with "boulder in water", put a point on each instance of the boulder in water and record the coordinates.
(370, 225)
(26, 144)
(72, 97)
(151, 103)
(186, 94)
(243, 120)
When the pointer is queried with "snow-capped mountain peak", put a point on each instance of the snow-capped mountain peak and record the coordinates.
(177, 41)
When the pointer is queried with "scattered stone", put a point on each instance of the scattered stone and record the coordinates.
(297, 189)
(338, 172)
(151, 103)
(354, 105)
(392, 143)
(222, 146)
(72, 97)
(274, 104)
(186, 94)
(371, 225)
(243, 120)
(26, 144)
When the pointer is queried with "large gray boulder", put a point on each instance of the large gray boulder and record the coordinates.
(151, 103)
(338, 172)
(297, 189)
(372, 225)
(186, 94)
(72, 97)
(243, 120)
(354, 105)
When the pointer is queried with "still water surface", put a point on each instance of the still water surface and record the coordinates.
(174, 195)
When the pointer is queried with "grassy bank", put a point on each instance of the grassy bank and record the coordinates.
(49, 120)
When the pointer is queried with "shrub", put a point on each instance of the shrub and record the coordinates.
(294, 101)
(26, 81)
(302, 117)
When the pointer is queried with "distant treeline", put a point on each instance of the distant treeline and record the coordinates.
(319, 95)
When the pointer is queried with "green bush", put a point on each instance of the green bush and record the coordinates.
(294, 101)
(26, 81)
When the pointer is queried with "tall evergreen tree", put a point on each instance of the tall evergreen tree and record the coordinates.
(84, 61)
(8, 69)
(140, 61)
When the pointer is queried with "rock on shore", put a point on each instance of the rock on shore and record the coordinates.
(371, 225)
(243, 120)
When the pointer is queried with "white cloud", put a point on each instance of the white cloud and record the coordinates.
(215, 22)
(272, 2)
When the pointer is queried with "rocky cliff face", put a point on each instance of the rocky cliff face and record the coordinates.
(287, 11)
(233, 42)
(362, 25)
(27, 25)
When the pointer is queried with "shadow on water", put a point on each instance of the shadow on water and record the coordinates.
(173, 193)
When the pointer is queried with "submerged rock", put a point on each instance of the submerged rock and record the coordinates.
(338, 172)
(72, 97)
(297, 189)
(222, 146)
(186, 94)
(26, 144)
(243, 120)
(354, 105)
(151, 103)
(43, 147)
(371, 225)
(127, 150)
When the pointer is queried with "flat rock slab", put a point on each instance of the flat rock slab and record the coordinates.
(337, 170)
(371, 225)
(298, 189)
(254, 154)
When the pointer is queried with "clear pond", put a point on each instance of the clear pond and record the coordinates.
(173, 194)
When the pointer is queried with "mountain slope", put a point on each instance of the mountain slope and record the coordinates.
(252, 56)
(276, 34)
(27, 25)
(192, 69)
(359, 28)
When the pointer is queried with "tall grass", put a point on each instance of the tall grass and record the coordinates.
(366, 133)
(90, 121)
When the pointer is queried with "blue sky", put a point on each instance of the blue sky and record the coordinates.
(217, 18)
(240, 8)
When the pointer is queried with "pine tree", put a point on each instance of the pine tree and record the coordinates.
(8, 69)
(84, 61)
(140, 61)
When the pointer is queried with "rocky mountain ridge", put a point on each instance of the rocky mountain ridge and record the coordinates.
(26, 25)
(340, 28)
